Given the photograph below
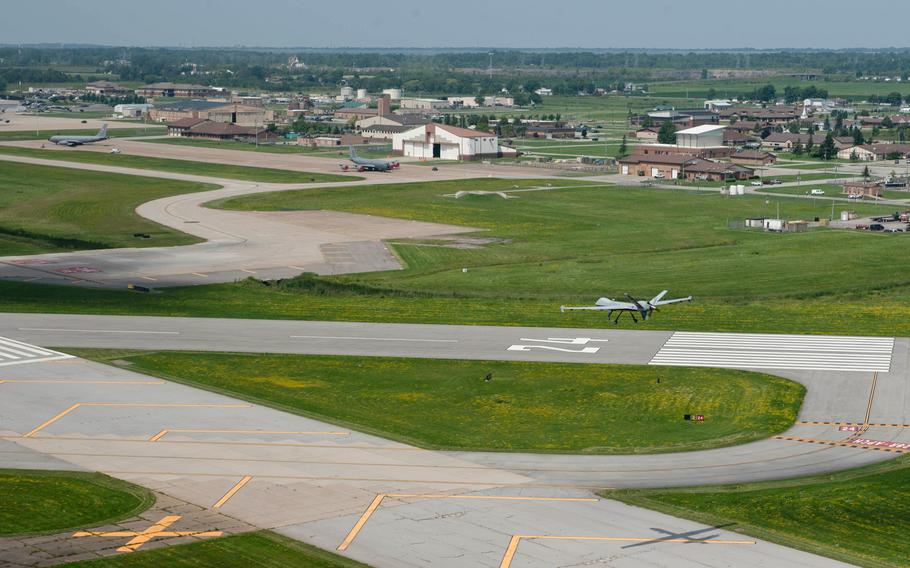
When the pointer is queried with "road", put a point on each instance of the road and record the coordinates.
(390, 504)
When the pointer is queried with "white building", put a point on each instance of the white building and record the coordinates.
(412, 103)
(11, 105)
(704, 136)
(544, 92)
(131, 110)
(718, 105)
(440, 141)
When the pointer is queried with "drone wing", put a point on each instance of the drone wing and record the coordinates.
(673, 301)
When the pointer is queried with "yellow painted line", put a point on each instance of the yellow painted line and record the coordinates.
(142, 537)
(129, 405)
(360, 522)
(166, 431)
(381, 496)
(512, 549)
(232, 491)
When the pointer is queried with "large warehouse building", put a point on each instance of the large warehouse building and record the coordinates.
(446, 142)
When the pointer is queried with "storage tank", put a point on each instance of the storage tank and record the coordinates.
(347, 92)
(394, 94)
(361, 93)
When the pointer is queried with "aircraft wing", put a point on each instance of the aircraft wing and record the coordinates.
(604, 304)
(673, 301)
(567, 308)
(71, 143)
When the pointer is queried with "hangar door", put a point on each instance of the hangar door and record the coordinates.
(625, 170)
(654, 172)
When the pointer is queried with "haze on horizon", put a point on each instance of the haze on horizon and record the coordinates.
(657, 24)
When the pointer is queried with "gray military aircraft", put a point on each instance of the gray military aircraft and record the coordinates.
(643, 308)
(67, 140)
(364, 164)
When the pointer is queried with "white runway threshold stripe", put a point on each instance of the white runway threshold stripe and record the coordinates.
(14, 352)
(768, 351)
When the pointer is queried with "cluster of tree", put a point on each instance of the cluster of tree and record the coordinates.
(794, 94)
(765, 94)
(128, 98)
(303, 126)
(893, 98)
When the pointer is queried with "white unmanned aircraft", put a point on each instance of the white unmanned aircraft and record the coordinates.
(644, 308)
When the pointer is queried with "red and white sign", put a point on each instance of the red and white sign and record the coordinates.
(78, 270)
(882, 444)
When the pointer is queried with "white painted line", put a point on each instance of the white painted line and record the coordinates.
(99, 330)
(373, 338)
(40, 360)
(25, 347)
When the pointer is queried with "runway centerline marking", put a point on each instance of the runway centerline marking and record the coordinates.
(373, 338)
(167, 431)
(99, 330)
(377, 501)
(139, 538)
(237, 487)
(517, 538)
(129, 405)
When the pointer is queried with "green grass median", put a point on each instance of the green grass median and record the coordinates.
(860, 516)
(539, 407)
(33, 501)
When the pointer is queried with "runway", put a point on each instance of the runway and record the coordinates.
(391, 504)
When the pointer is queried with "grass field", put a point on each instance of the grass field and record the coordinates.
(566, 246)
(36, 501)
(262, 549)
(541, 407)
(47, 209)
(340, 151)
(246, 173)
(114, 133)
(591, 240)
(860, 516)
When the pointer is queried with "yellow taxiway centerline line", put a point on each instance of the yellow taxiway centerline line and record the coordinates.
(129, 405)
(166, 431)
(512, 549)
(224, 499)
(381, 496)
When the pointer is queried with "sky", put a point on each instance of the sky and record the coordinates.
(680, 24)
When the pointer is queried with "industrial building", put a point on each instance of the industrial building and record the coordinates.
(703, 136)
(242, 115)
(678, 166)
(753, 158)
(175, 90)
(441, 141)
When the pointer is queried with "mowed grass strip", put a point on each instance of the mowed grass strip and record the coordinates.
(540, 407)
(227, 171)
(583, 241)
(860, 516)
(49, 209)
(263, 549)
(35, 501)
(113, 132)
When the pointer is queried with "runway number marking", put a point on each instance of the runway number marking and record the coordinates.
(138, 538)
(560, 341)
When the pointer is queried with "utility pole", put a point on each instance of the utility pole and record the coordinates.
(491, 65)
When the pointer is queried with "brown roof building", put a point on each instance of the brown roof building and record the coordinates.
(753, 158)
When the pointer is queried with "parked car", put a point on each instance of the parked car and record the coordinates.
(854, 196)
(757, 182)
(776, 182)
(658, 175)
(876, 227)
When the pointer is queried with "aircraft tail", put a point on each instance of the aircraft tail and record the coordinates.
(658, 298)
(103, 132)
(353, 153)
